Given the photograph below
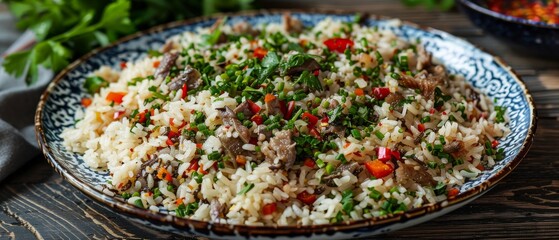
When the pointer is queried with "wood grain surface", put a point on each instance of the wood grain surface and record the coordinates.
(35, 203)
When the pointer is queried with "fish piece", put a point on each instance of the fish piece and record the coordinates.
(423, 81)
(291, 25)
(229, 118)
(337, 130)
(244, 107)
(189, 76)
(454, 146)
(233, 146)
(165, 65)
(283, 149)
(407, 173)
(273, 107)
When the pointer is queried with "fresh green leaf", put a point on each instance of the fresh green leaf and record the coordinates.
(93, 84)
(440, 189)
(69, 28)
(41, 29)
(102, 38)
(271, 60)
(347, 201)
(310, 81)
(139, 203)
(20, 9)
(17, 63)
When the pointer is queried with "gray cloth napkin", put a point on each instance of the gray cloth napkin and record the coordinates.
(18, 103)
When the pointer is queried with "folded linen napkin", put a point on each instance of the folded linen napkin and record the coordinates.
(18, 103)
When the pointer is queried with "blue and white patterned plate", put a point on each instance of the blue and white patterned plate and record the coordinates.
(62, 98)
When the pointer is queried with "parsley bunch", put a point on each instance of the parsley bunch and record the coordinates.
(67, 29)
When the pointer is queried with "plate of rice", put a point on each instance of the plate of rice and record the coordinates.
(286, 125)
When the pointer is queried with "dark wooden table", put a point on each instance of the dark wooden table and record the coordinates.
(36, 203)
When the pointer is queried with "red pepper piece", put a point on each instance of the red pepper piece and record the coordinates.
(257, 119)
(421, 127)
(384, 154)
(254, 108)
(381, 93)
(290, 109)
(184, 91)
(338, 44)
(311, 119)
(269, 208)
(306, 197)
(260, 53)
(379, 169)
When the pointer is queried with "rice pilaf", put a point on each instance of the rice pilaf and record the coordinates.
(282, 124)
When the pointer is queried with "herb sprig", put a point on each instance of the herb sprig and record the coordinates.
(67, 29)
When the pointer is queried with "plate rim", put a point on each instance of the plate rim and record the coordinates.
(247, 230)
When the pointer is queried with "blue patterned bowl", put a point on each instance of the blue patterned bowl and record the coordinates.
(528, 36)
(61, 100)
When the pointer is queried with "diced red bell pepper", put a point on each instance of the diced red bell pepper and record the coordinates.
(325, 119)
(359, 92)
(381, 93)
(379, 169)
(240, 159)
(269, 97)
(184, 91)
(480, 167)
(453, 192)
(142, 116)
(311, 119)
(306, 197)
(115, 97)
(257, 119)
(309, 163)
(260, 53)
(494, 144)
(384, 154)
(421, 127)
(122, 65)
(193, 165)
(86, 102)
(283, 108)
(338, 44)
(313, 132)
(290, 109)
(254, 108)
(162, 173)
(396, 155)
(173, 134)
(316, 72)
(201, 169)
(269, 208)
